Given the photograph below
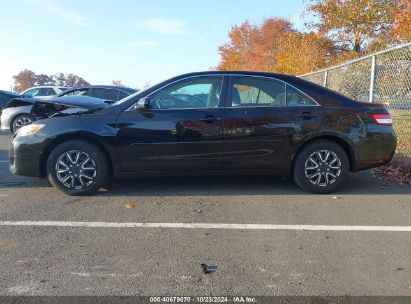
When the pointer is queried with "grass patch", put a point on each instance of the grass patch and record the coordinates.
(399, 170)
(402, 127)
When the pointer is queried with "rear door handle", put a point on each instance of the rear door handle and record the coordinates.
(210, 119)
(308, 115)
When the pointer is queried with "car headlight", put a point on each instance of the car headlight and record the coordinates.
(29, 129)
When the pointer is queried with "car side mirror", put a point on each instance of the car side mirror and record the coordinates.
(143, 104)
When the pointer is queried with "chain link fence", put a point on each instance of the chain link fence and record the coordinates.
(383, 77)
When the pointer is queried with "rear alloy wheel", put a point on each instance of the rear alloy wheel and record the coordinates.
(321, 167)
(20, 121)
(77, 167)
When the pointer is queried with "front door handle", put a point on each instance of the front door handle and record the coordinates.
(308, 115)
(210, 119)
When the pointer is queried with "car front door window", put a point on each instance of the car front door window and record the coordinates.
(193, 93)
(32, 92)
(181, 129)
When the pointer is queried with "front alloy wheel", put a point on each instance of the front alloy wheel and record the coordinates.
(76, 169)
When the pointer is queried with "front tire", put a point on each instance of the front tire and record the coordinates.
(321, 167)
(20, 121)
(77, 167)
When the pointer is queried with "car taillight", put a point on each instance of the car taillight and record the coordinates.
(382, 119)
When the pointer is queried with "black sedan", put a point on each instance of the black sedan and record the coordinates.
(210, 123)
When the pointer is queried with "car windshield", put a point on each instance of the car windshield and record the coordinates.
(129, 97)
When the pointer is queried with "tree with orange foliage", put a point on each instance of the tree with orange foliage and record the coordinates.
(402, 21)
(357, 26)
(24, 80)
(254, 47)
(274, 46)
(303, 52)
(345, 29)
(117, 83)
(74, 81)
(270, 38)
(238, 53)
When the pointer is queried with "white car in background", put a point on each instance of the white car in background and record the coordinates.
(43, 91)
(18, 110)
(40, 92)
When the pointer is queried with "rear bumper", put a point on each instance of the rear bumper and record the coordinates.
(377, 149)
(25, 158)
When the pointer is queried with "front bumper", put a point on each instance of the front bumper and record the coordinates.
(26, 156)
(5, 120)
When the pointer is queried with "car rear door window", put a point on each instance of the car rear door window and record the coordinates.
(46, 92)
(78, 92)
(255, 91)
(199, 92)
(297, 98)
(107, 94)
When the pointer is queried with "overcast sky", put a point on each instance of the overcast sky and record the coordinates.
(130, 40)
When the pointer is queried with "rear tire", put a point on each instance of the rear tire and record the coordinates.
(77, 167)
(321, 167)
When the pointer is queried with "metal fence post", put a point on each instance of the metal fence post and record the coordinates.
(372, 79)
(388, 81)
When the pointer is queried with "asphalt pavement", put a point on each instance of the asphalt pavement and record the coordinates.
(265, 235)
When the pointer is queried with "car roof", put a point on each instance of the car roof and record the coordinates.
(120, 88)
(322, 95)
(45, 87)
(283, 77)
(254, 73)
(237, 72)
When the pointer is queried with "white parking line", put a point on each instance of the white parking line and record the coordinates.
(4, 161)
(208, 226)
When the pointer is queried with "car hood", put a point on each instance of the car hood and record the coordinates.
(19, 102)
(70, 105)
(84, 102)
